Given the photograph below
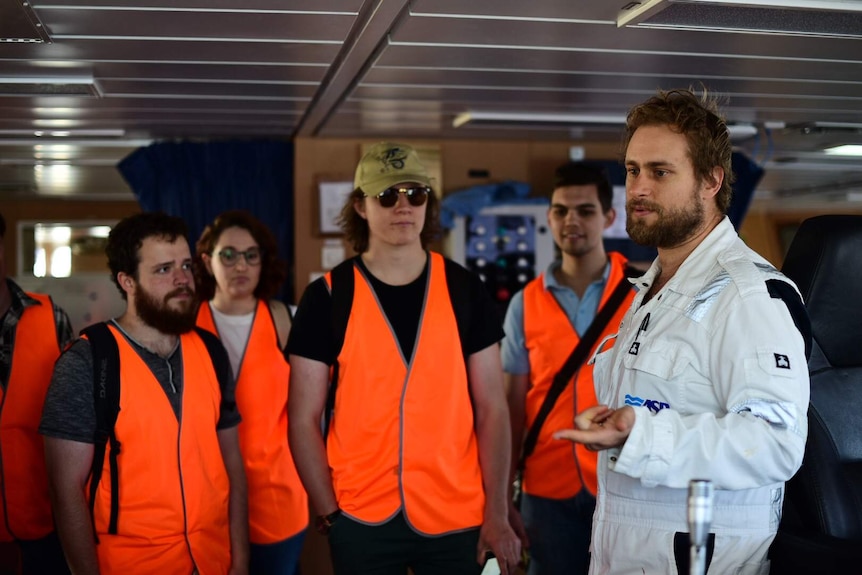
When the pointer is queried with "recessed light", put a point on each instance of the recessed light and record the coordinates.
(845, 150)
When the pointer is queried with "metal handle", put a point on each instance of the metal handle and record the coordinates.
(699, 522)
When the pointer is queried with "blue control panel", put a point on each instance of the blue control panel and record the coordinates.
(501, 249)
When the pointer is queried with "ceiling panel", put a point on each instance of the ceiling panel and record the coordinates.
(172, 69)
(132, 25)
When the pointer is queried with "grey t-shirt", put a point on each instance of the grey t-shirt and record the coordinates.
(69, 411)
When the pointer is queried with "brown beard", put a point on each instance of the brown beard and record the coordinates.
(159, 315)
(672, 228)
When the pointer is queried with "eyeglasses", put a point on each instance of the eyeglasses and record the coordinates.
(230, 256)
(416, 195)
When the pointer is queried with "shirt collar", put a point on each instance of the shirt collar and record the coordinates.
(20, 299)
(699, 263)
(550, 280)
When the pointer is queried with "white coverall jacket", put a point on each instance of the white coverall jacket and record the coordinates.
(715, 370)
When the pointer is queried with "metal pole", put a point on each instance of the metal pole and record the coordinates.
(699, 522)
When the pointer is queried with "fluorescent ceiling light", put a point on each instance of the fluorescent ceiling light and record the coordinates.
(634, 12)
(737, 131)
(65, 143)
(845, 150)
(535, 118)
(72, 133)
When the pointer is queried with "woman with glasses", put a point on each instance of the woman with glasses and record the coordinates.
(237, 272)
(412, 472)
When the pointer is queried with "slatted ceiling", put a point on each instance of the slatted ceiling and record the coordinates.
(243, 68)
(631, 64)
(273, 73)
(604, 43)
(585, 81)
(559, 9)
(212, 6)
(220, 90)
(289, 27)
(188, 53)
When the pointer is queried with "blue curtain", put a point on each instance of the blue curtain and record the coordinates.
(198, 180)
(748, 174)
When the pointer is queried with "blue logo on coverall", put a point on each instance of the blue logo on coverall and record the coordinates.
(653, 405)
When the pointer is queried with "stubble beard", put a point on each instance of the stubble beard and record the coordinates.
(672, 228)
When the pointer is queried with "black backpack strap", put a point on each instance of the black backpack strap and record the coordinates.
(211, 341)
(341, 290)
(221, 365)
(106, 398)
(576, 359)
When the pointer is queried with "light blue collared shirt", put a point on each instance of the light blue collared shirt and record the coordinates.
(580, 311)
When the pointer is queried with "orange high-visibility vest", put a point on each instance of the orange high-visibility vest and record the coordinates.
(560, 469)
(277, 503)
(402, 434)
(173, 486)
(26, 505)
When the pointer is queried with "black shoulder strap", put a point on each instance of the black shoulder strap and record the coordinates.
(341, 290)
(106, 398)
(576, 359)
(210, 340)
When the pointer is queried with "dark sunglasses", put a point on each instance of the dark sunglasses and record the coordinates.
(416, 195)
(230, 256)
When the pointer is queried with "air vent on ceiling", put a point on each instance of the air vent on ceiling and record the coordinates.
(820, 18)
(827, 127)
(17, 187)
(49, 86)
(20, 24)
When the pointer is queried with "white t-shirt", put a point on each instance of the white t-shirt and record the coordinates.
(233, 330)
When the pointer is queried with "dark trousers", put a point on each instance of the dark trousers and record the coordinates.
(280, 558)
(43, 556)
(390, 548)
(559, 532)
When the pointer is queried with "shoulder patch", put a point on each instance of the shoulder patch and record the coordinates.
(779, 288)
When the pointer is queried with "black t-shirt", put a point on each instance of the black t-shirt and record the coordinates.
(476, 314)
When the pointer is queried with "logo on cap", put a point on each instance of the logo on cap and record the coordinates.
(394, 158)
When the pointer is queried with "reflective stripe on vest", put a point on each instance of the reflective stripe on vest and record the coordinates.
(277, 503)
(173, 485)
(559, 469)
(402, 435)
(26, 506)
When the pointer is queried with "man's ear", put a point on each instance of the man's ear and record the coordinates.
(711, 185)
(126, 282)
(610, 217)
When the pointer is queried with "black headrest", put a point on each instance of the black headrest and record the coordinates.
(825, 261)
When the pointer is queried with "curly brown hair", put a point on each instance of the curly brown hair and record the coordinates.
(273, 270)
(698, 119)
(356, 230)
(127, 237)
